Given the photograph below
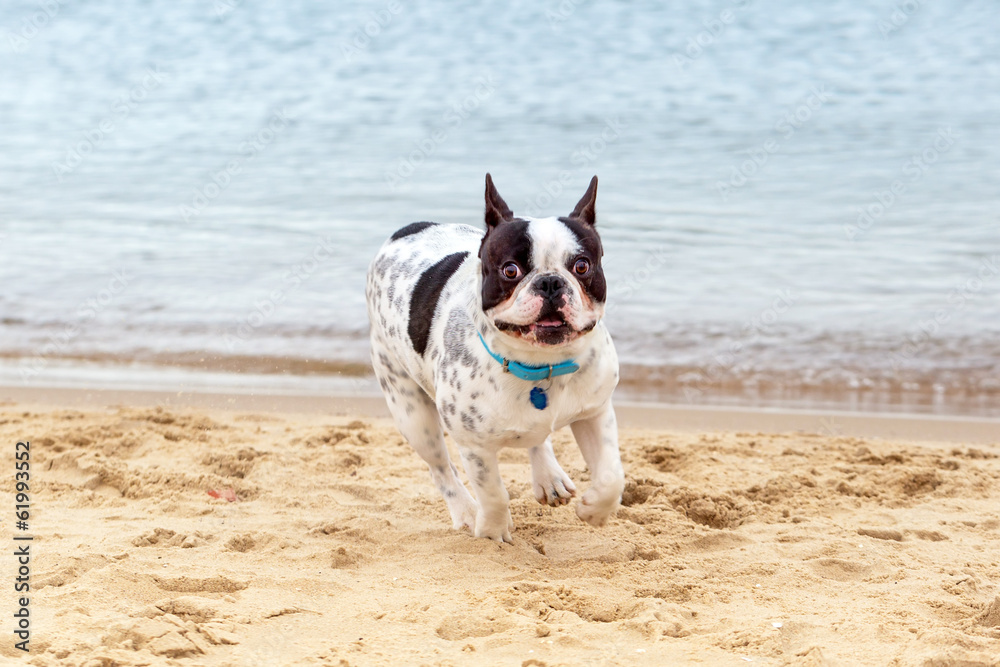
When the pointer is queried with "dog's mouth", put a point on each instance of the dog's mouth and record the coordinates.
(549, 329)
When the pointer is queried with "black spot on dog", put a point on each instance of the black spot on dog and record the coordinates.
(593, 283)
(455, 337)
(480, 465)
(382, 265)
(507, 242)
(424, 300)
(411, 229)
(468, 422)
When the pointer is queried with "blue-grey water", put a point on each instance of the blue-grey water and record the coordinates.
(794, 197)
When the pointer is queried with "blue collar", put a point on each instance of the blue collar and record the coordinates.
(531, 373)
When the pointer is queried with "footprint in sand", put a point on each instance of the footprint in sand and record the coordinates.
(182, 627)
(216, 584)
(721, 511)
(164, 537)
(237, 465)
(457, 627)
(839, 569)
(68, 573)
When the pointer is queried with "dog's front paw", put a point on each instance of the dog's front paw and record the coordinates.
(552, 486)
(463, 513)
(596, 508)
(496, 528)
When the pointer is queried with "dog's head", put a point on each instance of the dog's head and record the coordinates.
(542, 278)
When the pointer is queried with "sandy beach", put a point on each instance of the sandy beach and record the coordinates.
(197, 535)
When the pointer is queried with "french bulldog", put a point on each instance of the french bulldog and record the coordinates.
(499, 339)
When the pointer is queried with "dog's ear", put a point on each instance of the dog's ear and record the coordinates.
(497, 210)
(584, 211)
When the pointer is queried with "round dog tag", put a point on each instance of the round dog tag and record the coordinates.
(538, 398)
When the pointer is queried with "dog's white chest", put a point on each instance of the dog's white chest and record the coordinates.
(512, 418)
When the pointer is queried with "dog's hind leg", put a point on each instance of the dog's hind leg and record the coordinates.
(552, 486)
(417, 419)
(493, 520)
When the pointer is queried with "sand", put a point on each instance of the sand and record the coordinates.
(731, 547)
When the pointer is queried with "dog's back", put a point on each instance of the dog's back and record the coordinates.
(406, 283)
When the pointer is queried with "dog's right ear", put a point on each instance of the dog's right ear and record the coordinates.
(497, 210)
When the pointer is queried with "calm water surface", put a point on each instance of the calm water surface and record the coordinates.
(798, 201)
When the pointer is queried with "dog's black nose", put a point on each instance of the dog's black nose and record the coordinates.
(549, 286)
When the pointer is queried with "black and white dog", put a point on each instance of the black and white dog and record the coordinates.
(500, 337)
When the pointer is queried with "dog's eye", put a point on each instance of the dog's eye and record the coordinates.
(511, 271)
(582, 267)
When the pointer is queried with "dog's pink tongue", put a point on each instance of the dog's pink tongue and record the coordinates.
(549, 323)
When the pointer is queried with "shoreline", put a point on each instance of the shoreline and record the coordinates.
(940, 395)
(631, 414)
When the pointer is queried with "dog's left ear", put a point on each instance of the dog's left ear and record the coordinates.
(584, 211)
